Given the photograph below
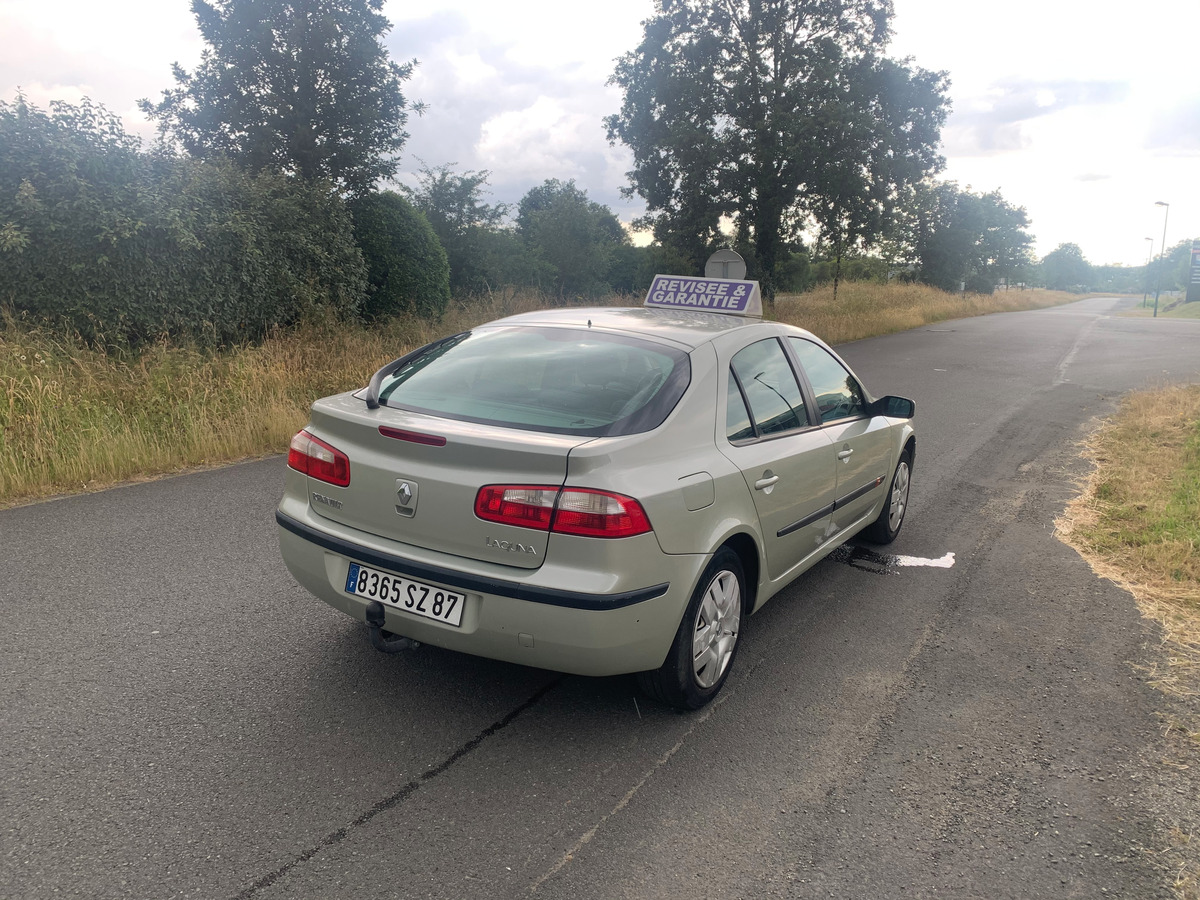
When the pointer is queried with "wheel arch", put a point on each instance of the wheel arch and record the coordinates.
(747, 552)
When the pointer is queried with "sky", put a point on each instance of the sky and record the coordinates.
(1083, 114)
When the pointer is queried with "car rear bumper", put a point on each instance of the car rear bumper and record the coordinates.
(535, 617)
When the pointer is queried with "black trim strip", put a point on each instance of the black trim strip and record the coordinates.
(423, 572)
(826, 510)
(854, 495)
(807, 520)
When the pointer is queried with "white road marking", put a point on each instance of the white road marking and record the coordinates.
(945, 562)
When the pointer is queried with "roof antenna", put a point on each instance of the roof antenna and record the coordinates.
(589, 323)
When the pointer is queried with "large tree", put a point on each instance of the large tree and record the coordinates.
(303, 87)
(960, 238)
(1065, 269)
(576, 238)
(466, 226)
(778, 114)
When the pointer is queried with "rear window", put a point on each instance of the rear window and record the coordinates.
(559, 380)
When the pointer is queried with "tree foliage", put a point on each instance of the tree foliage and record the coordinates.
(960, 238)
(302, 87)
(576, 239)
(406, 265)
(777, 114)
(1065, 269)
(128, 247)
(467, 227)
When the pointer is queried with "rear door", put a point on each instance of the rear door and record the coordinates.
(788, 465)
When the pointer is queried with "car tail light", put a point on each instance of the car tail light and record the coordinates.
(579, 511)
(599, 514)
(523, 505)
(319, 460)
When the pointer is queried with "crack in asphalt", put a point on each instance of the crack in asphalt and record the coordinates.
(588, 835)
(336, 837)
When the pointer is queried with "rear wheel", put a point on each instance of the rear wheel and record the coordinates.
(706, 643)
(884, 529)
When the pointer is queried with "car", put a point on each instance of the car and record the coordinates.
(595, 491)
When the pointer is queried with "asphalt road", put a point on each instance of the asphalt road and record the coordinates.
(179, 719)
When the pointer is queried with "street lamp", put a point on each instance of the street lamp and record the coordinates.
(1161, 248)
(1146, 282)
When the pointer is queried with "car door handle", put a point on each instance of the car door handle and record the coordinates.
(763, 483)
(844, 454)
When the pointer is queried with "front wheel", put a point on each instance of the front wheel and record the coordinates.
(884, 529)
(706, 642)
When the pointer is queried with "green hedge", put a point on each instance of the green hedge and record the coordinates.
(406, 266)
(126, 247)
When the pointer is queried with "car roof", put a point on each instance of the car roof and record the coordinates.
(683, 327)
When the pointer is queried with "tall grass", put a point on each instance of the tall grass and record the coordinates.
(1137, 522)
(863, 310)
(75, 417)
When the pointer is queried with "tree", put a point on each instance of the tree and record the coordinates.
(302, 87)
(960, 238)
(1065, 269)
(772, 113)
(406, 266)
(453, 204)
(574, 237)
(878, 131)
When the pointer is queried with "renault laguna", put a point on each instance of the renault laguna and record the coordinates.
(594, 491)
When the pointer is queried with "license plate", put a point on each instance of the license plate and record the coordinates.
(403, 593)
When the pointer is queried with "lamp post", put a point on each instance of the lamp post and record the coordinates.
(1146, 283)
(1161, 248)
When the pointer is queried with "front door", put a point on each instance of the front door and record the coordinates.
(790, 467)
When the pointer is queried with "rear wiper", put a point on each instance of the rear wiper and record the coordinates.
(372, 395)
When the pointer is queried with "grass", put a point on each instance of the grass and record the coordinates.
(1137, 522)
(76, 418)
(1168, 307)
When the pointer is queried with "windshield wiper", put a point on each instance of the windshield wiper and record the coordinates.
(372, 396)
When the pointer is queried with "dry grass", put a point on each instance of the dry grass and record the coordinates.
(1168, 307)
(77, 418)
(867, 310)
(1137, 522)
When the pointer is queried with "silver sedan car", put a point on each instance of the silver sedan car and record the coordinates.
(593, 491)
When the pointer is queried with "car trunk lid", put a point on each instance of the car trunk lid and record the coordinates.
(414, 478)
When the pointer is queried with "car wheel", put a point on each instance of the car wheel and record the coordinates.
(884, 529)
(706, 643)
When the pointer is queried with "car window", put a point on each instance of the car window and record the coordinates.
(770, 387)
(737, 419)
(560, 380)
(838, 393)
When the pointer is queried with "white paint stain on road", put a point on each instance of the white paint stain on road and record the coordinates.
(944, 562)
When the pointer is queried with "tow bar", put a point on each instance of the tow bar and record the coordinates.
(382, 640)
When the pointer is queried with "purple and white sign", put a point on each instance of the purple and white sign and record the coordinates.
(719, 295)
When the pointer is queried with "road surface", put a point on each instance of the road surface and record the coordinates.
(181, 720)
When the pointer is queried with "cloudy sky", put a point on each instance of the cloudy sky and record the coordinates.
(1083, 113)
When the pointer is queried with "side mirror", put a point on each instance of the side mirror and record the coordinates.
(894, 408)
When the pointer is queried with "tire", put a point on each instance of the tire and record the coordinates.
(884, 529)
(706, 643)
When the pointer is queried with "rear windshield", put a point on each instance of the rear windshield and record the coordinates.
(560, 380)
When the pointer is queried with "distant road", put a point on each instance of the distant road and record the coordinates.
(181, 720)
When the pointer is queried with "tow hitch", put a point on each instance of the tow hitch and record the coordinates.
(385, 640)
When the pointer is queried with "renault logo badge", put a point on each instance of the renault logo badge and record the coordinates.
(406, 497)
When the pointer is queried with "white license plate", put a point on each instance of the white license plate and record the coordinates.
(404, 593)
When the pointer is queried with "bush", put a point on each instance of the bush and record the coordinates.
(127, 247)
(406, 266)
